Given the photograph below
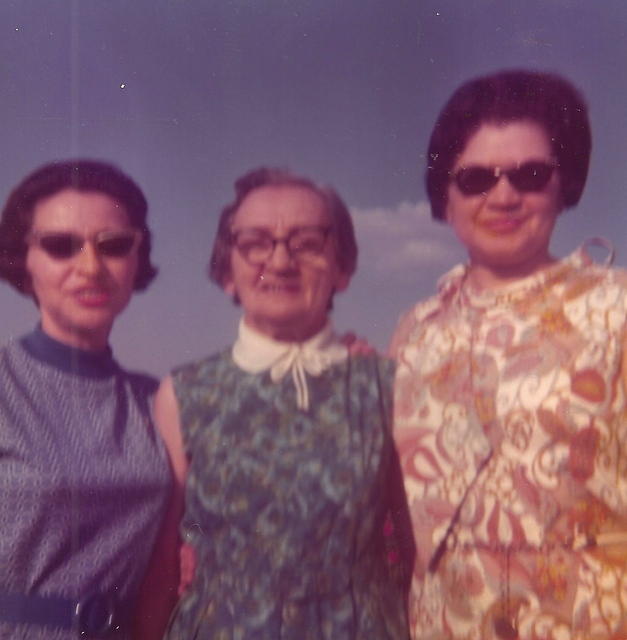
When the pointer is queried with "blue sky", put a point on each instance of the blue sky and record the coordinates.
(186, 95)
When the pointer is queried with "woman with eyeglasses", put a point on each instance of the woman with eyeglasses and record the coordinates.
(282, 442)
(510, 413)
(84, 477)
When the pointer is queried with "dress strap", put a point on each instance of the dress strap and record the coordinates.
(604, 243)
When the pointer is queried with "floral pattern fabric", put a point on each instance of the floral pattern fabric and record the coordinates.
(511, 426)
(285, 507)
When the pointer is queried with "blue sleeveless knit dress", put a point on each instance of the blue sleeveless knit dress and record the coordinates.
(84, 478)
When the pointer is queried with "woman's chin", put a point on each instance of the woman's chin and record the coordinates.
(288, 326)
(88, 331)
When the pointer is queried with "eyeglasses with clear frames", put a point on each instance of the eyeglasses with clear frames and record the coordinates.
(256, 246)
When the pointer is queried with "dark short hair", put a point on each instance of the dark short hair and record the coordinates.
(80, 175)
(504, 97)
(342, 225)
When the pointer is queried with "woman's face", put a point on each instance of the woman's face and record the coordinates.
(285, 292)
(505, 229)
(80, 295)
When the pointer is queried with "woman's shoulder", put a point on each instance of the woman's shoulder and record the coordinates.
(204, 366)
(7, 350)
(427, 309)
(586, 276)
(13, 351)
(370, 379)
(144, 383)
(364, 382)
(410, 321)
(372, 365)
(608, 274)
(13, 366)
(208, 375)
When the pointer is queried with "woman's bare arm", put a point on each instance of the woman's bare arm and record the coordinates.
(624, 363)
(159, 590)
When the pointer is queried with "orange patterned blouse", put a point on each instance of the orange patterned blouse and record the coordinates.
(511, 425)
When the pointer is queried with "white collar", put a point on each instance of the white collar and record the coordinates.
(254, 352)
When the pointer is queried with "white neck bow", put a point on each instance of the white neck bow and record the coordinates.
(255, 352)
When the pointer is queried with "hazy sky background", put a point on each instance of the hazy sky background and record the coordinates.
(186, 95)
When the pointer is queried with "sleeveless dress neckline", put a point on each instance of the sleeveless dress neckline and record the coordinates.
(69, 359)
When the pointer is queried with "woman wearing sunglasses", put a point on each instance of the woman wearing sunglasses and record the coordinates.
(283, 441)
(83, 476)
(510, 395)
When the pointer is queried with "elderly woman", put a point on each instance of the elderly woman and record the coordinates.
(283, 440)
(83, 476)
(510, 406)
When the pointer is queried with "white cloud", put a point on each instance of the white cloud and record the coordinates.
(404, 238)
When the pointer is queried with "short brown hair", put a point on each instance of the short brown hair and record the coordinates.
(80, 175)
(508, 96)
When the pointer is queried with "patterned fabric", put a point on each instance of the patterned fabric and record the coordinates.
(511, 426)
(285, 507)
(83, 477)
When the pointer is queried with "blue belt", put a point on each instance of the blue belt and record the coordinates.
(96, 615)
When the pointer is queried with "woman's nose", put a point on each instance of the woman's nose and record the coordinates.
(280, 257)
(88, 260)
(504, 194)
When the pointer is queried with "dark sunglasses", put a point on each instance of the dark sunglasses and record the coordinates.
(527, 177)
(62, 245)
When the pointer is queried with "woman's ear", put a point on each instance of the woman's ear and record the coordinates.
(26, 285)
(342, 281)
(448, 216)
(229, 288)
